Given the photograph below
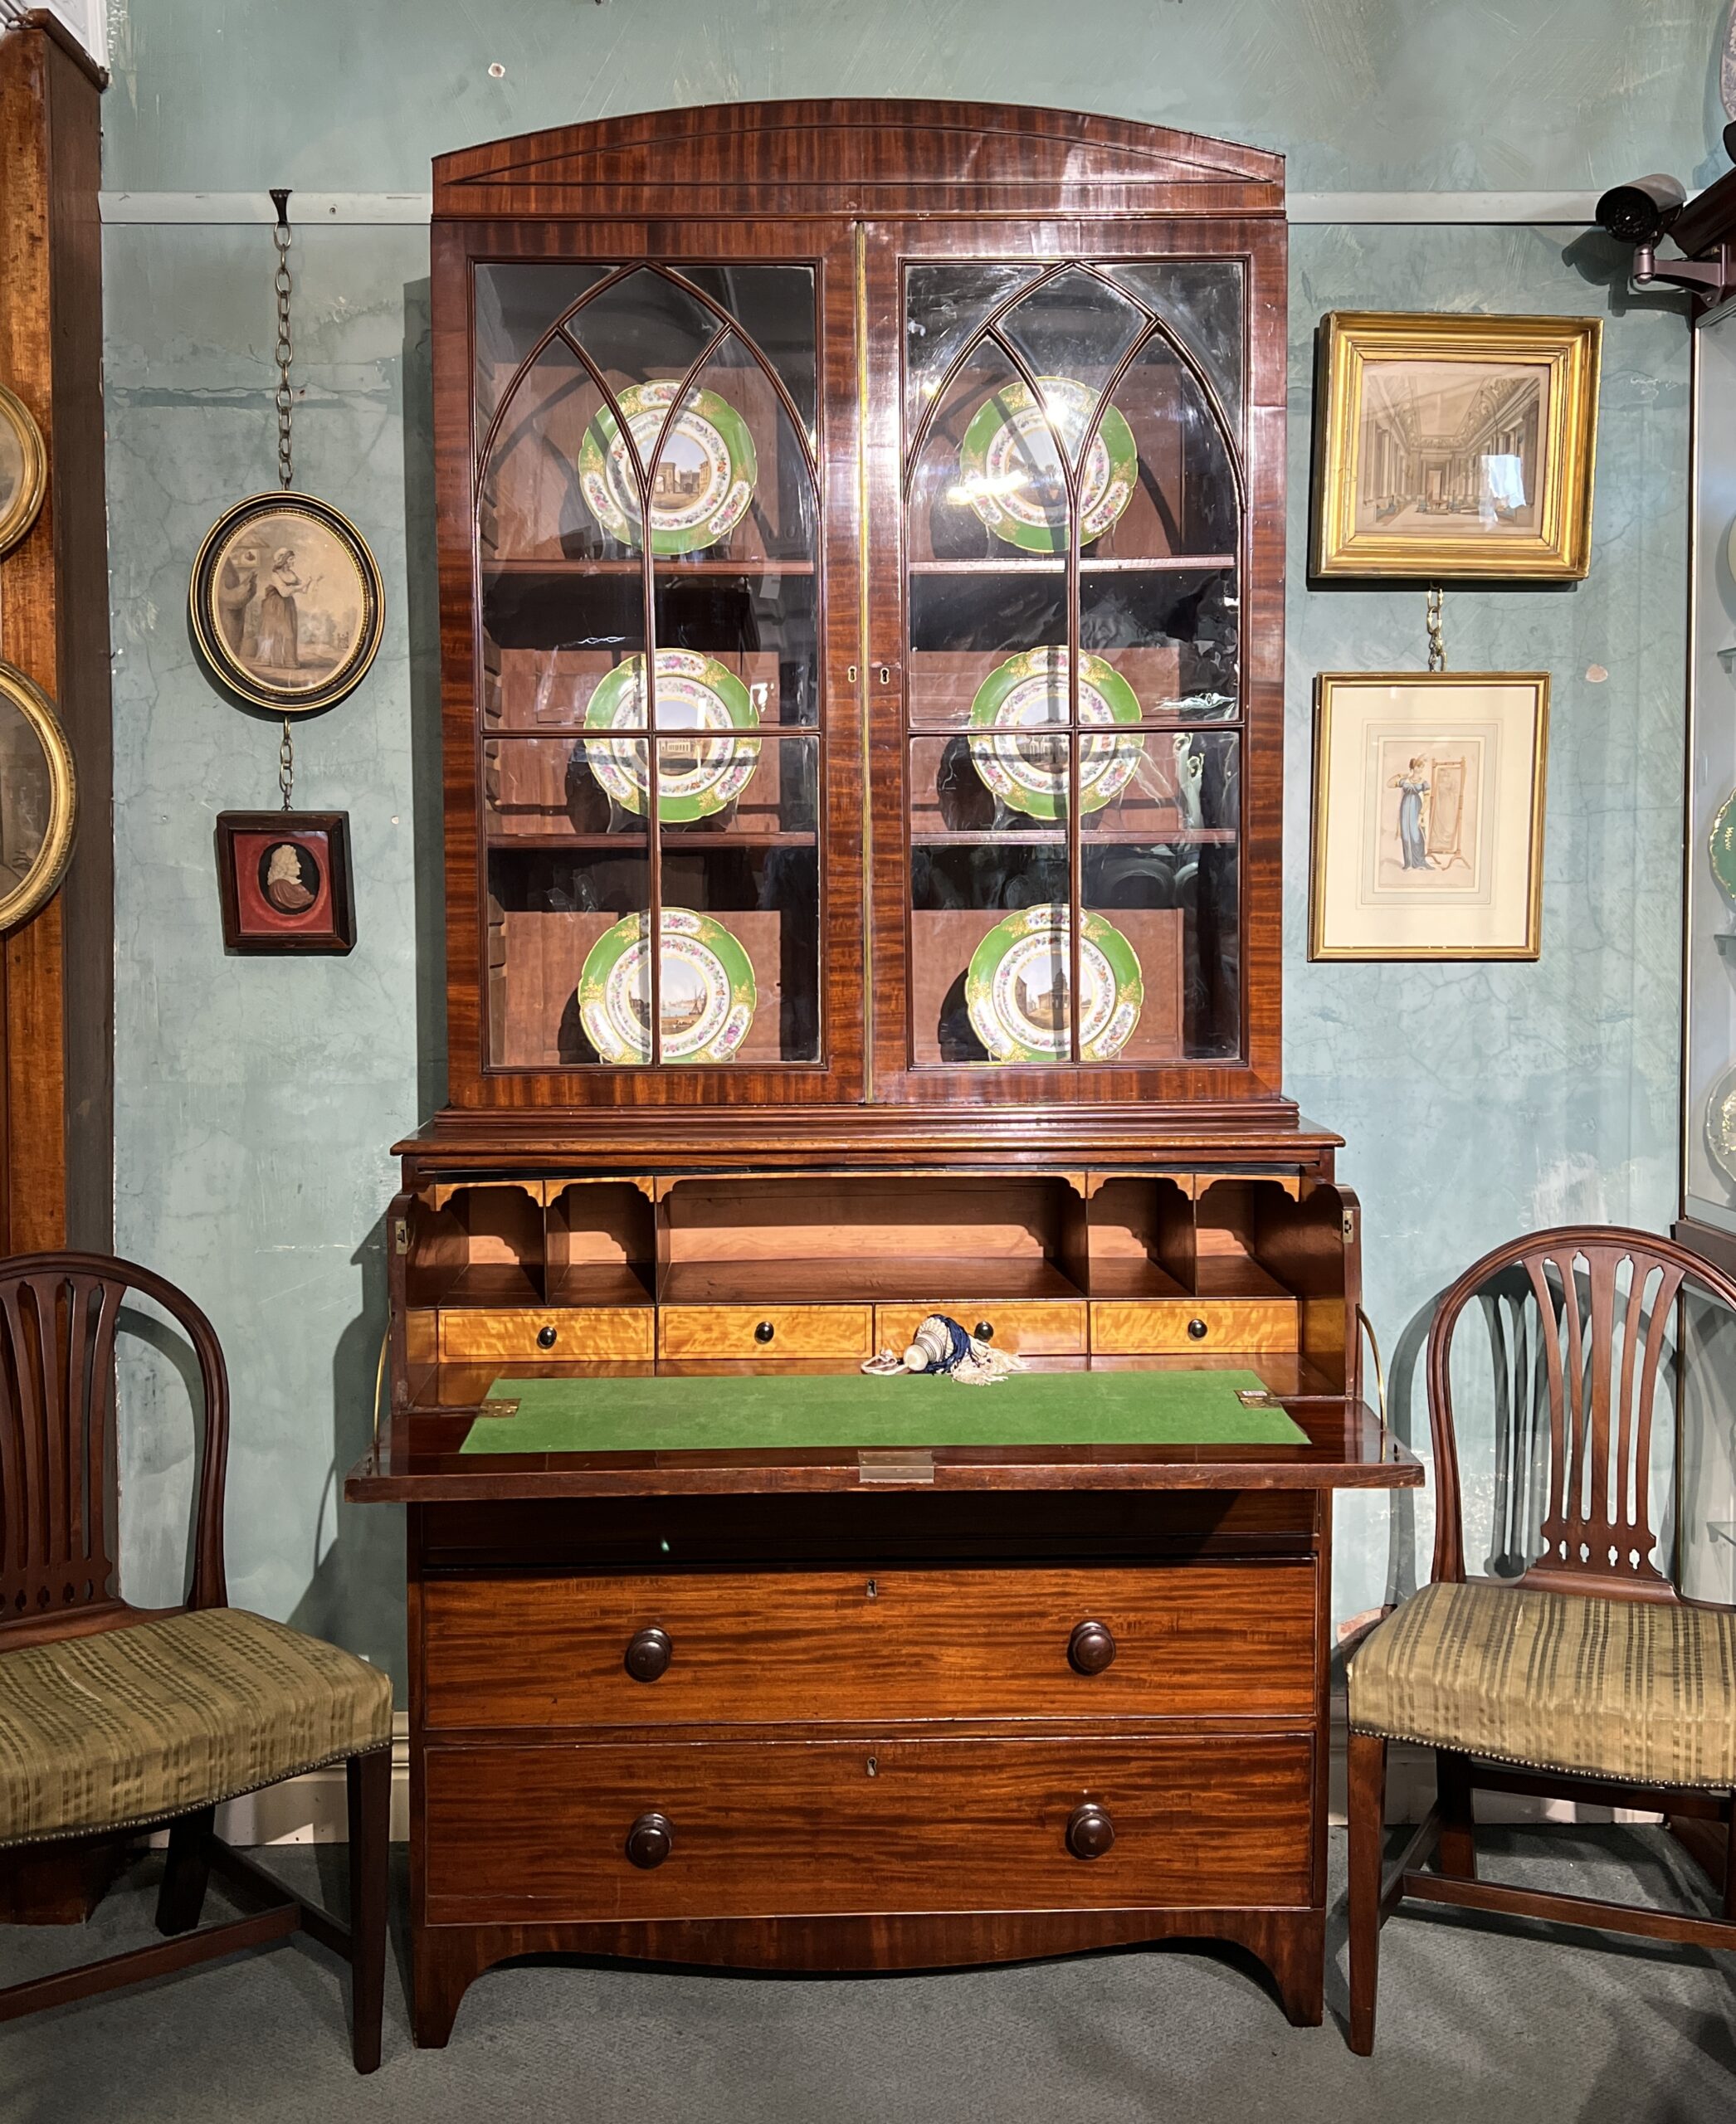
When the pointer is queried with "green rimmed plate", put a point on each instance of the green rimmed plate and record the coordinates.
(705, 477)
(1016, 988)
(697, 775)
(1011, 472)
(1027, 767)
(708, 991)
(1723, 846)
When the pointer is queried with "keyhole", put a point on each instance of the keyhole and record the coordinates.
(872, 1589)
(874, 1765)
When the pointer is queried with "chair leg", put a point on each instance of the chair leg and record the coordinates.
(1367, 1809)
(369, 1781)
(1456, 1853)
(181, 1898)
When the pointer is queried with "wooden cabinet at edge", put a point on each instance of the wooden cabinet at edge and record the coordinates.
(751, 1708)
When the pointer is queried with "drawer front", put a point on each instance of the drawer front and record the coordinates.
(1038, 1328)
(739, 1331)
(1183, 1641)
(605, 1332)
(1175, 1326)
(775, 1828)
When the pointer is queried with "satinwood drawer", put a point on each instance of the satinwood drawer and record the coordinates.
(765, 1331)
(1037, 1328)
(547, 1334)
(1168, 1326)
(1181, 1640)
(774, 1828)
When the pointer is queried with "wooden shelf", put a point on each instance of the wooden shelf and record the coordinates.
(674, 837)
(487, 1283)
(1056, 564)
(600, 1283)
(670, 566)
(914, 1279)
(1056, 838)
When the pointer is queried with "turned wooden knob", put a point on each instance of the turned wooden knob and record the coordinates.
(764, 1331)
(545, 1339)
(648, 1654)
(651, 1839)
(984, 1330)
(1091, 1646)
(1089, 1830)
(1197, 1330)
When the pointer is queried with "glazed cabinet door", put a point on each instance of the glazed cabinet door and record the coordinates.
(1075, 613)
(648, 525)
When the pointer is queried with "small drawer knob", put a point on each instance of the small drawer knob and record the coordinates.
(648, 1654)
(651, 1839)
(1196, 1331)
(1091, 1646)
(1089, 1830)
(545, 1339)
(984, 1330)
(764, 1331)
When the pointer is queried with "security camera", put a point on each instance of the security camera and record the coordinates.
(1641, 211)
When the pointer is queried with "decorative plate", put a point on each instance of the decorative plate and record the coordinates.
(1028, 771)
(1016, 988)
(1723, 846)
(1721, 1124)
(1012, 477)
(704, 479)
(708, 990)
(696, 775)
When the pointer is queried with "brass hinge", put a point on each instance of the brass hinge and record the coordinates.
(1349, 1227)
(401, 1235)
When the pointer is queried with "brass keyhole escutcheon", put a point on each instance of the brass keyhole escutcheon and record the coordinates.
(545, 1339)
(1196, 1331)
(885, 674)
(764, 1331)
(872, 1589)
(873, 1766)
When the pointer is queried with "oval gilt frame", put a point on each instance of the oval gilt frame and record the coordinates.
(42, 880)
(26, 504)
(220, 659)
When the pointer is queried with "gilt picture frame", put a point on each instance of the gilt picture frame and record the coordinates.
(38, 799)
(284, 881)
(1428, 815)
(285, 604)
(1455, 447)
(23, 469)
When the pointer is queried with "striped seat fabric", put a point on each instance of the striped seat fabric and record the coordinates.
(129, 1726)
(1636, 1689)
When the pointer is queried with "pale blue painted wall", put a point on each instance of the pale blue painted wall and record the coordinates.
(256, 1100)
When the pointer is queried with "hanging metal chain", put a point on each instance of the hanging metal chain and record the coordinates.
(1438, 644)
(285, 352)
(287, 763)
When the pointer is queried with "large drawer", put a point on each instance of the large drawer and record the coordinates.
(546, 1334)
(819, 1828)
(1185, 1641)
(1036, 1327)
(1174, 1327)
(765, 1331)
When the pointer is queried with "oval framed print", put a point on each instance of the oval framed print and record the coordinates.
(697, 775)
(287, 603)
(1721, 1124)
(708, 991)
(1016, 988)
(705, 477)
(1026, 767)
(1012, 473)
(1723, 846)
(23, 469)
(38, 798)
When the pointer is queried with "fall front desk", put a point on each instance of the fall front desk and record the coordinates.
(810, 1670)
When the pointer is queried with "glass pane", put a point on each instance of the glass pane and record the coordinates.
(988, 484)
(774, 307)
(944, 307)
(513, 306)
(1182, 500)
(552, 913)
(1202, 302)
(530, 502)
(1176, 904)
(1070, 332)
(1174, 635)
(1172, 785)
(554, 789)
(643, 326)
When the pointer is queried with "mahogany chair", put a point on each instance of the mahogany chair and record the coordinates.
(115, 1718)
(1584, 1676)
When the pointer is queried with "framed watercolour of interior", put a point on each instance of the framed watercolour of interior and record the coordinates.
(1428, 815)
(38, 799)
(285, 603)
(284, 880)
(23, 470)
(1455, 446)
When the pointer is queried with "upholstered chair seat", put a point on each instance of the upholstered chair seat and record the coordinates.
(126, 1727)
(1643, 1690)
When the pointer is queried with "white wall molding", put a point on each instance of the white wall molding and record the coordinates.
(390, 209)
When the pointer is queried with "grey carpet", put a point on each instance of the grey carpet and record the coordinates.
(1482, 2022)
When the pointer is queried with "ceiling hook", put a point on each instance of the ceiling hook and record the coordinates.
(280, 201)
